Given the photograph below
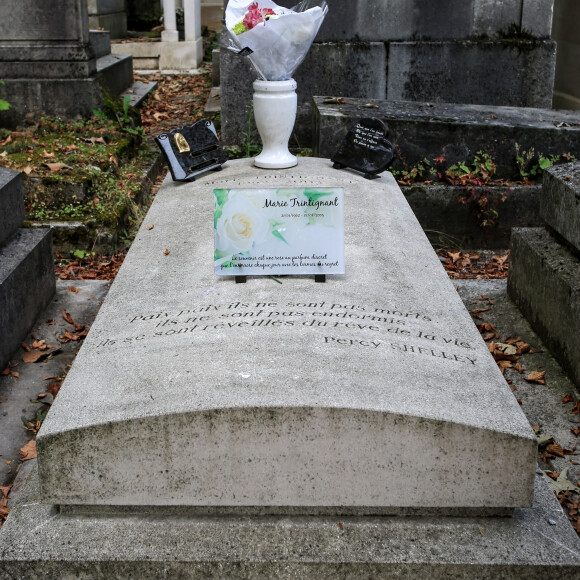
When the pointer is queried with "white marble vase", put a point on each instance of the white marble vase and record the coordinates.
(275, 105)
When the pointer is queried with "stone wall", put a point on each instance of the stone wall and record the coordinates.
(457, 51)
(565, 32)
(110, 15)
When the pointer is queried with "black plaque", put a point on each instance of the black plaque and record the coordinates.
(192, 150)
(365, 148)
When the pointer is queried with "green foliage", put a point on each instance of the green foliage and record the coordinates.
(531, 166)
(4, 105)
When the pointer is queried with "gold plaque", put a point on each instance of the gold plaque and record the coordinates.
(181, 143)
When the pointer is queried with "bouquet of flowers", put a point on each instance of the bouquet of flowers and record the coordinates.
(276, 39)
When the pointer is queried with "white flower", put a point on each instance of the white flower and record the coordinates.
(241, 225)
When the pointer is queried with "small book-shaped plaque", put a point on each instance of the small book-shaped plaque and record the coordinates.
(192, 150)
(365, 148)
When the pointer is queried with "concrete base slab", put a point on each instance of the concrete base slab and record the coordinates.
(544, 282)
(39, 541)
(26, 286)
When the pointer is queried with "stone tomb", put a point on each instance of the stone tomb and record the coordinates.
(238, 429)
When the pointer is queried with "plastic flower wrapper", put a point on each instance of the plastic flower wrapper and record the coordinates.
(277, 37)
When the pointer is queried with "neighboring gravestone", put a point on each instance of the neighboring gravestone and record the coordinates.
(27, 281)
(544, 277)
(49, 66)
(45, 59)
(290, 403)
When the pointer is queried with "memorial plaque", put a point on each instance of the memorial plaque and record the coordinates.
(279, 231)
(366, 149)
(191, 151)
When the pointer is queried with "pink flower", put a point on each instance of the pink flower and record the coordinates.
(255, 15)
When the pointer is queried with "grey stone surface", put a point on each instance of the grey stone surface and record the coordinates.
(19, 394)
(544, 282)
(115, 72)
(109, 15)
(565, 32)
(362, 73)
(38, 541)
(44, 20)
(468, 72)
(392, 20)
(537, 17)
(26, 286)
(453, 213)
(491, 17)
(30, 98)
(46, 60)
(101, 42)
(11, 203)
(457, 132)
(196, 391)
(560, 205)
(116, 23)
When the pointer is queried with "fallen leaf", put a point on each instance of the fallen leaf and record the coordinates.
(518, 367)
(67, 317)
(73, 289)
(33, 356)
(536, 377)
(166, 252)
(6, 371)
(28, 451)
(6, 490)
(562, 483)
(57, 166)
(454, 256)
(25, 347)
(544, 439)
(568, 398)
(4, 511)
(575, 431)
(555, 449)
(506, 348)
(53, 388)
(150, 226)
(39, 355)
(504, 364)
(478, 310)
(27, 170)
(94, 140)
